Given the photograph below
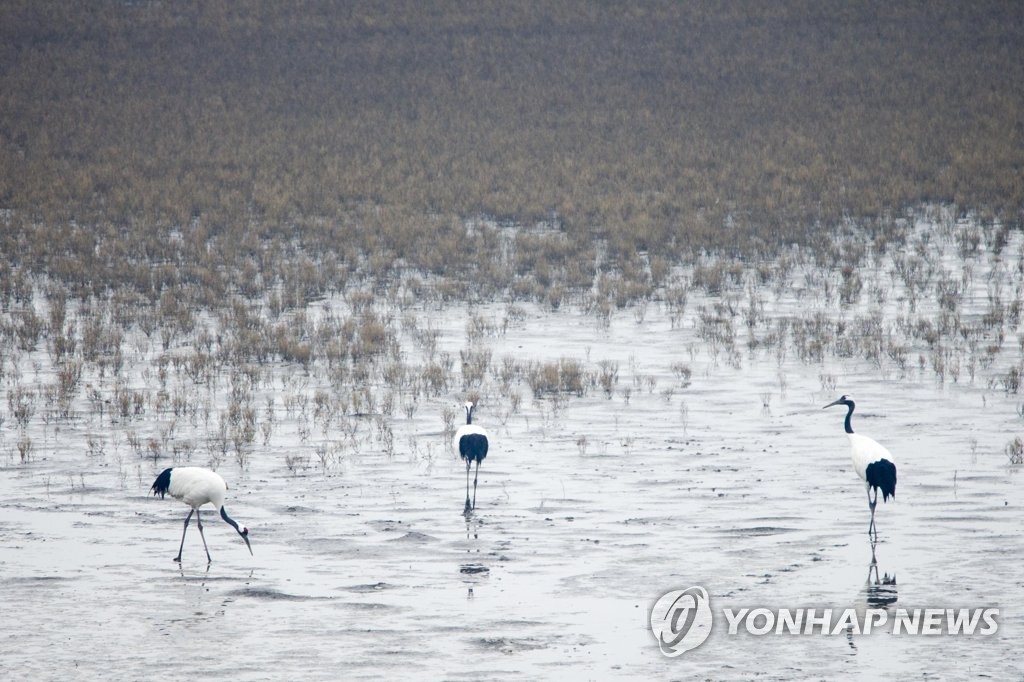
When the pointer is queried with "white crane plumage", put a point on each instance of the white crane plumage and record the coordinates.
(196, 486)
(471, 442)
(873, 462)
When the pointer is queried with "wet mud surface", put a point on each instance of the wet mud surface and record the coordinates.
(587, 511)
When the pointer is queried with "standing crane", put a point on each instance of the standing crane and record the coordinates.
(471, 442)
(196, 486)
(872, 462)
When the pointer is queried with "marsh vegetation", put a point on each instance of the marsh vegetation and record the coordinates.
(199, 150)
(347, 370)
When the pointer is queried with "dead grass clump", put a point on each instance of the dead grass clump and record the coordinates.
(717, 276)
(25, 448)
(436, 375)
(298, 352)
(554, 296)
(290, 344)
(967, 241)
(1011, 380)
(866, 337)
(682, 372)
(898, 353)
(675, 297)
(28, 327)
(580, 272)
(449, 289)
(565, 376)
(240, 422)
(514, 316)
(176, 314)
(949, 293)
(915, 273)
(21, 404)
(62, 344)
(128, 402)
(361, 300)
(995, 315)
(475, 365)
(448, 418)
(395, 374)
(98, 339)
(607, 376)
(69, 375)
(812, 336)
(1015, 451)
(509, 373)
(373, 338)
(850, 285)
(715, 325)
(477, 328)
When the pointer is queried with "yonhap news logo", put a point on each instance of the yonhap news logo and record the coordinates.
(681, 620)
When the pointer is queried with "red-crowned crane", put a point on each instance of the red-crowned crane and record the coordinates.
(471, 442)
(872, 462)
(196, 486)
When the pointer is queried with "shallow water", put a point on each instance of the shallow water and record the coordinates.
(368, 570)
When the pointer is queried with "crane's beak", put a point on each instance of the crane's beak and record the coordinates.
(245, 536)
(837, 401)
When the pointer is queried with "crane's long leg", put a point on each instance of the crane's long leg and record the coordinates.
(199, 522)
(185, 530)
(871, 503)
(475, 476)
(467, 508)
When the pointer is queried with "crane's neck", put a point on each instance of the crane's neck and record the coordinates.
(849, 413)
(469, 415)
(231, 521)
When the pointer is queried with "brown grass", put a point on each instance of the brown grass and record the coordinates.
(219, 148)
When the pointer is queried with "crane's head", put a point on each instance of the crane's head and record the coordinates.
(841, 400)
(244, 532)
(469, 411)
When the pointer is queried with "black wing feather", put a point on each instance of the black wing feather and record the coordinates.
(162, 483)
(882, 475)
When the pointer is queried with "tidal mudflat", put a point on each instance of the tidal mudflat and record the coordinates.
(657, 446)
